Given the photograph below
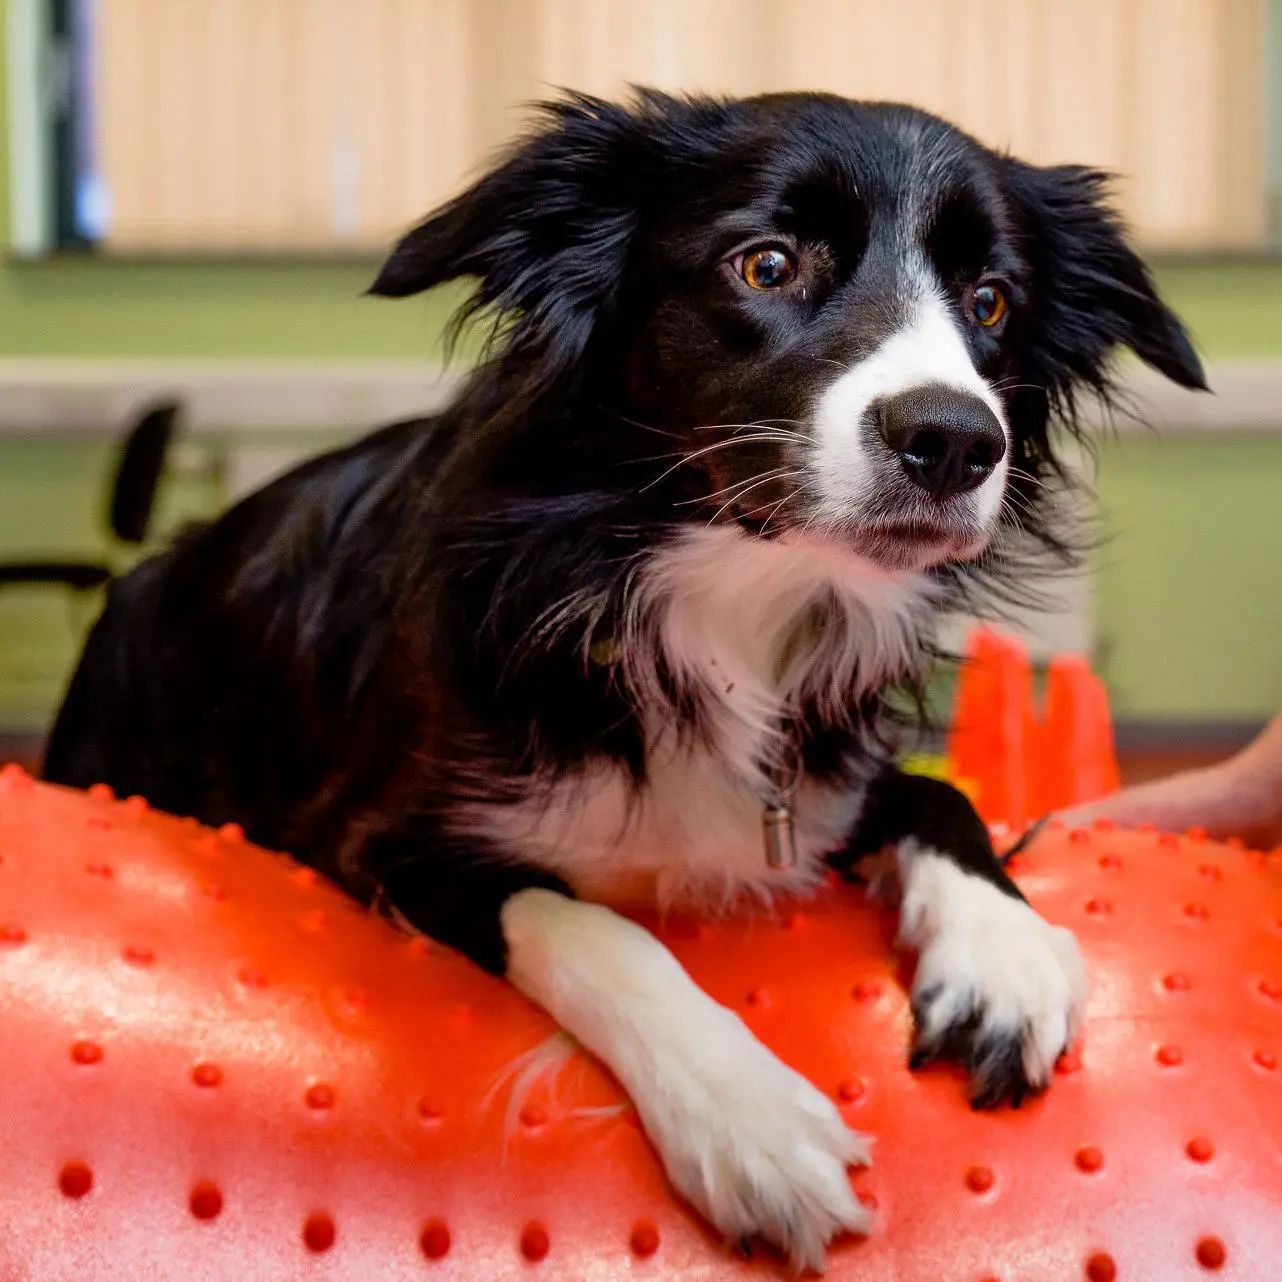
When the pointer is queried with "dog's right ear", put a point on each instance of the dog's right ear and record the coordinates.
(1094, 292)
(545, 233)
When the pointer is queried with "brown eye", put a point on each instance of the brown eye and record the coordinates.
(768, 268)
(988, 305)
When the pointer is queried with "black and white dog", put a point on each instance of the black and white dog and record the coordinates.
(770, 388)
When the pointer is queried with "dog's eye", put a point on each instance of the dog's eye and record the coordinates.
(988, 305)
(767, 268)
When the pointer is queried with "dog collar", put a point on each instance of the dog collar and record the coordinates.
(778, 825)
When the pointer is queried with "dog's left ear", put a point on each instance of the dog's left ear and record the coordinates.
(544, 233)
(1093, 291)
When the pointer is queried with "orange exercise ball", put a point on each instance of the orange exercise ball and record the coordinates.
(215, 1066)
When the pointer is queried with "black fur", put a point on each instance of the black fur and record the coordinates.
(901, 805)
(349, 657)
(941, 818)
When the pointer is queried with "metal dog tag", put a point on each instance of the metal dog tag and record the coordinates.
(780, 837)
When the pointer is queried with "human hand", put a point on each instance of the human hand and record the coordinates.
(1238, 797)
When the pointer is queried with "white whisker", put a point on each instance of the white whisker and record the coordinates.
(763, 481)
(725, 489)
(770, 516)
(763, 437)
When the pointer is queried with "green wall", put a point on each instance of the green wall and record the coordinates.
(1190, 578)
(51, 505)
(91, 308)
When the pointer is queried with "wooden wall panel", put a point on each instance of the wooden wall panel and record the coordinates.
(1242, 70)
(313, 125)
(408, 87)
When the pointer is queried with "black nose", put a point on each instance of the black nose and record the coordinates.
(947, 441)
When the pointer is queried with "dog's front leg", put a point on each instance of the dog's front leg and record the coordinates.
(751, 1143)
(996, 985)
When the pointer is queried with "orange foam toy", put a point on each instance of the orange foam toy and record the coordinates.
(1020, 757)
(992, 733)
(214, 1066)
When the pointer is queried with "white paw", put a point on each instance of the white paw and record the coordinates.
(996, 984)
(755, 1147)
(752, 1144)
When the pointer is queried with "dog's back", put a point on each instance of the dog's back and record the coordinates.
(227, 621)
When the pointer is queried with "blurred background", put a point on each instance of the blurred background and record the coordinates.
(194, 194)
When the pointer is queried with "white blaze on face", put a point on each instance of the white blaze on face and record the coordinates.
(928, 350)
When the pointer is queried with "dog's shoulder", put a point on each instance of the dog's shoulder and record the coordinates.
(318, 514)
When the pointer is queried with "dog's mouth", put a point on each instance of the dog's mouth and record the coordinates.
(896, 547)
(916, 544)
(911, 533)
(918, 539)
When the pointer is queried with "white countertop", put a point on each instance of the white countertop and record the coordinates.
(57, 396)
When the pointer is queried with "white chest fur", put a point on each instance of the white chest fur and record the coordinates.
(751, 630)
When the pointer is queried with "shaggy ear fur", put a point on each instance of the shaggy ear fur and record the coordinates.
(545, 233)
(1094, 293)
(1091, 294)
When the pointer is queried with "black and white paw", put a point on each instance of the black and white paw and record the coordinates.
(997, 987)
(757, 1149)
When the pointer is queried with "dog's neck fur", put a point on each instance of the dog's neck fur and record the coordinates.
(756, 632)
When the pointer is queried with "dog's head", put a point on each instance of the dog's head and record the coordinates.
(816, 317)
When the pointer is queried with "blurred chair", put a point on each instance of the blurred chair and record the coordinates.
(131, 505)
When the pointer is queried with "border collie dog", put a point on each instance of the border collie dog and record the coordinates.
(770, 387)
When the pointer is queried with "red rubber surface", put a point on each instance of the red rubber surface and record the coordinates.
(214, 1067)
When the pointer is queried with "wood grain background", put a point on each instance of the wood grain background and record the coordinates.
(318, 125)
